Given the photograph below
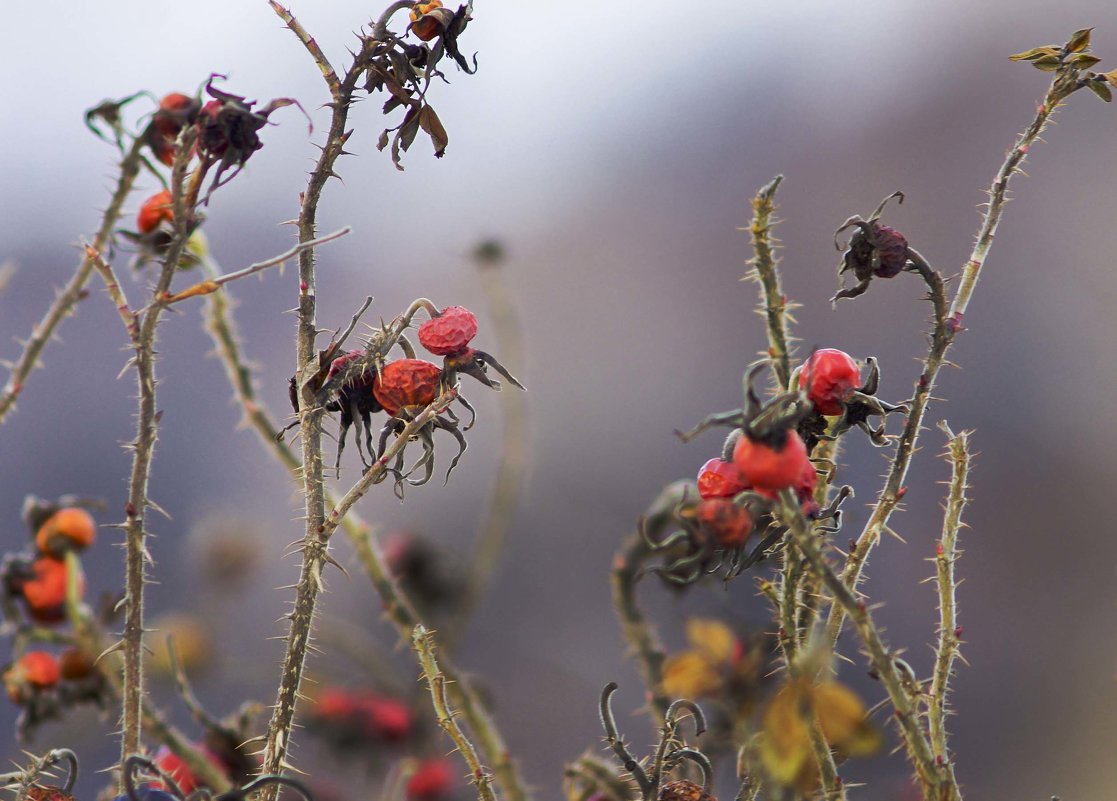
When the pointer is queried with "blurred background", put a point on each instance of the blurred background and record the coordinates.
(612, 148)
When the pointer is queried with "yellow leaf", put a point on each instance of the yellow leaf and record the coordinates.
(843, 719)
(785, 744)
(1035, 53)
(713, 638)
(690, 675)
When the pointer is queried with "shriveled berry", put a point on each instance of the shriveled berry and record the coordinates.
(720, 479)
(407, 382)
(431, 781)
(68, 528)
(682, 790)
(424, 23)
(175, 112)
(155, 210)
(728, 523)
(449, 333)
(828, 377)
(771, 466)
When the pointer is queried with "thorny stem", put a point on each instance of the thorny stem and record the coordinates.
(640, 633)
(185, 199)
(423, 643)
(946, 651)
(315, 542)
(398, 607)
(75, 289)
(512, 465)
(936, 784)
(766, 272)
(943, 335)
(91, 639)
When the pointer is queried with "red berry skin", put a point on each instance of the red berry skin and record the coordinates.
(175, 767)
(828, 377)
(720, 479)
(385, 719)
(727, 522)
(767, 468)
(154, 210)
(45, 594)
(407, 382)
(40, 669)
(450, 333)
(430, 781)
(892, 247)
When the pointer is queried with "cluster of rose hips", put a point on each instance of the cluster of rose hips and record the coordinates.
(362, 722)
(405, 387)
(34, 591)
(767, 452)
(222, 132)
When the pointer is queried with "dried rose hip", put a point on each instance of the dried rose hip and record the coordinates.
(719, 478)
(829, 377)
(68, 528)
(450, 332)
(429, 19)
(771, 464)
(34, 671)
(728, 523)
(176, 111)
(407, 383)
(155, 209)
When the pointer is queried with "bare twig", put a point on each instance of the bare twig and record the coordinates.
(213, 284)
(112, 285)
(946, 651)
(75, 289)
(422, 641)
(765, 271)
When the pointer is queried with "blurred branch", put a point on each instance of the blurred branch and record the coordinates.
(74, 290)
(423, 643)
(639, 632)
(512, 464)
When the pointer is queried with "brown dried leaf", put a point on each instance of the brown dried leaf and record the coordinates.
(430, 123)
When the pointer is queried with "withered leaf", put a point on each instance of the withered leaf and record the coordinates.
(1079, 40)
(1111, 78)
(430, 123)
